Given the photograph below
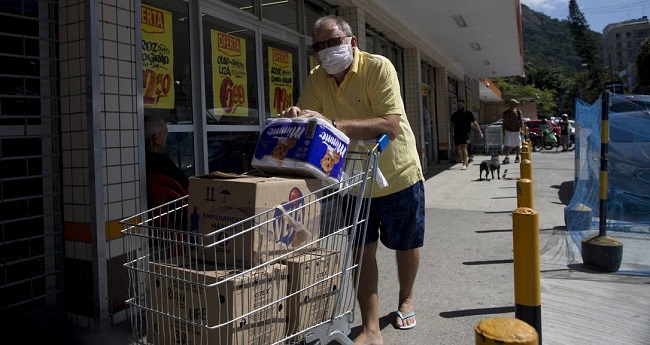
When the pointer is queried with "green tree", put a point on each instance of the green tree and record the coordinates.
(545, 99)
(585, 46)
(642, 68)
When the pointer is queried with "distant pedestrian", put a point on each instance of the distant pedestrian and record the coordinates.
(513, 129)
(462, 121)
(565, 132)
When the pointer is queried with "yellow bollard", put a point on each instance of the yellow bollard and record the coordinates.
(504, 331)
(526, 169)
(525, 152)
(525, 193)
(528, 290)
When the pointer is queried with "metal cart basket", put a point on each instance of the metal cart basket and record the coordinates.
(306, 294)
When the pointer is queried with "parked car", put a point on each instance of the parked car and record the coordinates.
(533, 126)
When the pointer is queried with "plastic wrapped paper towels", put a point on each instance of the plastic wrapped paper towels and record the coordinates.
(303, 147)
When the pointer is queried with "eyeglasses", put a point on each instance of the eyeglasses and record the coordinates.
(332, 42)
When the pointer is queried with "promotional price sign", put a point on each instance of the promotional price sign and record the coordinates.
(229, 74)
(280, 79)
(157, 58)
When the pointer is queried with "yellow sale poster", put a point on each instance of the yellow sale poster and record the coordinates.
(157, 58)
(280, 79)
(229, 78)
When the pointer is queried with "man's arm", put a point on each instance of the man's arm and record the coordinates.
(477, 128)
(371, 128)
(357, 128)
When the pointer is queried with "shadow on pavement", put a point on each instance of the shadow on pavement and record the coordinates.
(480, 311)
(565, 192)
(436, 169)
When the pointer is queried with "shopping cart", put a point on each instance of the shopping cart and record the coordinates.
(306, 295)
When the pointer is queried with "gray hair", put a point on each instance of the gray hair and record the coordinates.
(153, 124)
(340, 23)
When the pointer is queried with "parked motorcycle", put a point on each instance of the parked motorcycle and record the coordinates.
(548, 140)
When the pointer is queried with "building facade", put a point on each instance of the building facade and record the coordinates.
(80, 76)
(622, 43)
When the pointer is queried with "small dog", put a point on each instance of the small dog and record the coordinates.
(489, 166)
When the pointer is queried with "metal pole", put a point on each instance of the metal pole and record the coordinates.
(604, 141)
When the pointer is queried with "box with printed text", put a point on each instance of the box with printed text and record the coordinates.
(313, 281)
(245, 221)
(205, 305)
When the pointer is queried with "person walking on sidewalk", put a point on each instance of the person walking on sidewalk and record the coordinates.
(565, 132)
(513, 129)
(463, 121)
(359, 93)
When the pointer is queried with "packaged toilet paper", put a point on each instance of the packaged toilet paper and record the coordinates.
(302, 146)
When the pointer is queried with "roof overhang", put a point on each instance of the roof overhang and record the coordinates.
(475, 39)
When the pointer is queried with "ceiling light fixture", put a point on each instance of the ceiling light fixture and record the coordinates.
(475, 46)
(460, 21)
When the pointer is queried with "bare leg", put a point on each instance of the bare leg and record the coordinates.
(459, 151)
(369, 299)
(408, 262)
(463, 148)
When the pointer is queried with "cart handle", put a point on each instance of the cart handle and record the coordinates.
(382, 142)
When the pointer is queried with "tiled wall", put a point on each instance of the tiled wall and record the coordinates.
(99, 148)
(442, 108)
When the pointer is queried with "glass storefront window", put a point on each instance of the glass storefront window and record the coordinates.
(166, 77)
(180, 148)
(283, 12)
(244, 5)
(280, 75)
(230, 73)
(231, 152)
(313, 11)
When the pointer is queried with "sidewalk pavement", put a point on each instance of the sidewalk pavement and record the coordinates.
(466, 270)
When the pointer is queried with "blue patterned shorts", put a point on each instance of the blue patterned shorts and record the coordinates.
(397, 219)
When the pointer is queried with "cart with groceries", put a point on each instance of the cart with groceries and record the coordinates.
(253, 258)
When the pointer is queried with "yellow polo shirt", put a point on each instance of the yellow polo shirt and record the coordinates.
(370, 89)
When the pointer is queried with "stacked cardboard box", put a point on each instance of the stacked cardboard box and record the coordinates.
(313, 281)
(217, 201)
(205, 305)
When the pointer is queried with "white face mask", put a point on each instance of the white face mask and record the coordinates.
(336, 59)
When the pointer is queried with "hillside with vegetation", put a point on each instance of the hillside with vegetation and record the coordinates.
(548, 42)
(556, 71)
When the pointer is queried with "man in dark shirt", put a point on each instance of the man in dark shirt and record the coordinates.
(159, 163)
(462, 122)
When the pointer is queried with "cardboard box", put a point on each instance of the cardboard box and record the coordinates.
(217, 201)
(312, 304)
(204, 305)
